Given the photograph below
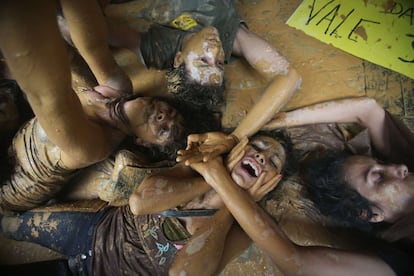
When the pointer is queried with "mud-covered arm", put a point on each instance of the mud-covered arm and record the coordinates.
(89, 32)
(215, 244)
(362, 110)
(202, 253)
(236, 243)
(283, 79)
(167, 190)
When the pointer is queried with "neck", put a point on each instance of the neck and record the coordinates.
(96, 109)
(401, 229)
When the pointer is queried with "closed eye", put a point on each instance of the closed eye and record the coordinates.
(274, 161)
(377, 176)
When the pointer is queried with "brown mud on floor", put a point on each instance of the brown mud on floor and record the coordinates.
(327, 73)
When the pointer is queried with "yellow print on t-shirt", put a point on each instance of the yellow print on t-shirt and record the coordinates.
(184, 22)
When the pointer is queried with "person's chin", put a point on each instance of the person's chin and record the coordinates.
(242, 182)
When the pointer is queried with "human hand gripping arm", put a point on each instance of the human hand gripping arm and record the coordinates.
(272, 100)
(283, 80)
(204, 250)
(203, 147)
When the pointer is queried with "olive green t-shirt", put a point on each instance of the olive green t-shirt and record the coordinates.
(172, 20)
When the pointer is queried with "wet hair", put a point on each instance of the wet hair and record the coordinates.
(116, 108)
(195, 119)
(186, 90)
(11, 88)
(290, 165)
(283, 138)
(324, 178)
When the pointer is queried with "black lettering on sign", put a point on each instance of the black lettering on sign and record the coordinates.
(398, 10)
(412, 46)
(358, 27)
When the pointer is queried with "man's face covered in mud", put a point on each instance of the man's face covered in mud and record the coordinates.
(203, 56)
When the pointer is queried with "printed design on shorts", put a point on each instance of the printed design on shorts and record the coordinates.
(153, 232)
(184, 22)
(162, 248)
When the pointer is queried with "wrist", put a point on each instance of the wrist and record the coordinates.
(235, 138)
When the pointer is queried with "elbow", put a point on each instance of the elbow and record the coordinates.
(295, 77)
(371, 104)
(135, 204)
(369, 109)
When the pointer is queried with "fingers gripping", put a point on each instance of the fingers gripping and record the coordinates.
(236, 154)
(260, 188)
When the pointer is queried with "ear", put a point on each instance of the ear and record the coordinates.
(377, 215)
(178, 59)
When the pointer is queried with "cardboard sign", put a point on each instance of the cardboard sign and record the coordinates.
(380, 31)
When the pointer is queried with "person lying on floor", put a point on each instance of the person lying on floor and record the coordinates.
(123, 239)
(195, 39)
(70, 131)
(365, 191)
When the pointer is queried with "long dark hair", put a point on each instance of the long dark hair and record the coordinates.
(186, 90)
(25, 113)
(281, 135)
(324, 179)
(196, 119)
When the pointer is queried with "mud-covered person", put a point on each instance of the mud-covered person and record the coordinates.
(193, 40)
(125, 239)
(355, 190)
(70, 131)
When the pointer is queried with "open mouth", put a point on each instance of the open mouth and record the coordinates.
(250, 167)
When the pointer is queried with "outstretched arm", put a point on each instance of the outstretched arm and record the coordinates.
(282, 77)
(362, 110)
